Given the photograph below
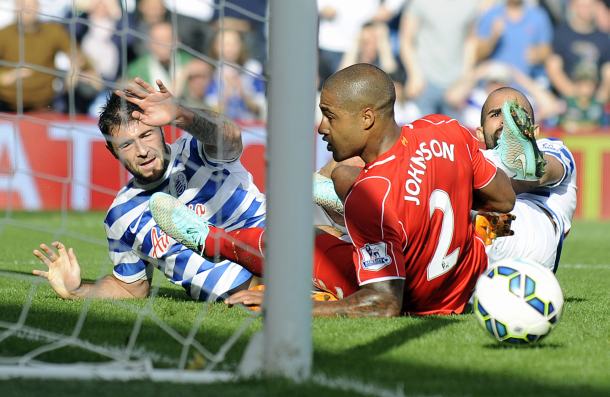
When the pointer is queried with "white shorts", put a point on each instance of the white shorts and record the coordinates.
(321, 218)
(536, 237)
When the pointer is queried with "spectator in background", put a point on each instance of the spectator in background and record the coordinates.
(42, 41)
(469, 93)
(555, 9)
(516, 33)
(389, 13)
(95, 30)
(236, 89)
(436, 49)
(193, 22)
(148, 13)
(602, 15)
(340, 22)
(163, 62)
(250, 24)
(585, 100)
(198, 75)
(578, 44)
(372, 46)
(96, 37)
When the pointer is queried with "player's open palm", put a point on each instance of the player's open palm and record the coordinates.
(63, 269)
(158, 107)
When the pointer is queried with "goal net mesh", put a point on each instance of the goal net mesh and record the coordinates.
(57, 179)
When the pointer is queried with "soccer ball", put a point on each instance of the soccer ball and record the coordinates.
(518, 301)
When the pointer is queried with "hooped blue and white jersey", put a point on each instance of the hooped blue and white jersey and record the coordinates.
(221, 192)
(559, 198)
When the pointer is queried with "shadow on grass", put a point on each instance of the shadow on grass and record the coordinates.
(365, 363)
(575, 299)
(25, 274)
(534, 346)
(108, 323)
(401, 336)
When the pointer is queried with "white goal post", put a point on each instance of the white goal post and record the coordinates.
(292, 66)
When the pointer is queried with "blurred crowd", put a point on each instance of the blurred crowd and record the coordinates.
(444, 56)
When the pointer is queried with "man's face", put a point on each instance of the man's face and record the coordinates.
(583, 10)
(141, 149)
(340, 128)
(493, 122)
(161, 42)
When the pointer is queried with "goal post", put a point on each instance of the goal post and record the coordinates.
(292, 71)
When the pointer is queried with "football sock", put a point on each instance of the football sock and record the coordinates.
(243, 246)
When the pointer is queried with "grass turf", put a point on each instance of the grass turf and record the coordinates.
(443, 356)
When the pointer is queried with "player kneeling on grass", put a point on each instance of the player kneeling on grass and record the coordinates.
(201, 168)
(413, 245)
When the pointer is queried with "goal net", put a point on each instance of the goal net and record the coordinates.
(57, 181)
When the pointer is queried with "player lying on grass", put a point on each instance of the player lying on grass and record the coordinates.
(201, 168)
(408, 213)
(545, 206)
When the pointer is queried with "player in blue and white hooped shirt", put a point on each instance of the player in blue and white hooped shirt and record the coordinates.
(544, 208)
(202, 169)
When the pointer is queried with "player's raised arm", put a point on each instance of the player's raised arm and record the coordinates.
(553, 173)
(63, 275)
(220, 136)
(492, 187)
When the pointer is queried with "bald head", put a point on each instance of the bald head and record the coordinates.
(362, 85)
(506, 93)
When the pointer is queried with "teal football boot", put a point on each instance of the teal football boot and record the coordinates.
(517, 146)
(324, 194)
(178, 221)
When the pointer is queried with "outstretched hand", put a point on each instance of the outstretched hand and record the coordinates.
(252, 298)
(63, 269)
(158, 107)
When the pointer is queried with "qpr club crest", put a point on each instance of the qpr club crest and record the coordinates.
(177, 184)
(375, 256)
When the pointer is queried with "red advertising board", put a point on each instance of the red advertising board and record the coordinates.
(49, 162)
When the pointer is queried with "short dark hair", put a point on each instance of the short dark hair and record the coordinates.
(364, 84)
(116, 113)
(528, 105)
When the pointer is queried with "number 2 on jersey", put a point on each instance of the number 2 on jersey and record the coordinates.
(441, 263)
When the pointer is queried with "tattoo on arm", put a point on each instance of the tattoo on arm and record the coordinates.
(205, 128)
(220, 137)
(382, 299)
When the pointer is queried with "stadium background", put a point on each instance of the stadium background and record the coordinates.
(55, 159)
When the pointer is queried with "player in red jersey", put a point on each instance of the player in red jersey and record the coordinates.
(408, 213)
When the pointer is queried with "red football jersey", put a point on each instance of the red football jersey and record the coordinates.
(408, 215)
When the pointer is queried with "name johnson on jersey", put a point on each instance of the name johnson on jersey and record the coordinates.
(417, 165)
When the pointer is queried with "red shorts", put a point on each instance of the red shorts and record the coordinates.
(333, 266)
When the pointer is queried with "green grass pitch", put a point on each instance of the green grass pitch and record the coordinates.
(433, 356)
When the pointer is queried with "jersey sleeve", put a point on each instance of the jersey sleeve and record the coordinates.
(483, 169)
(556, 148)
(128, 267)
(375, 231)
